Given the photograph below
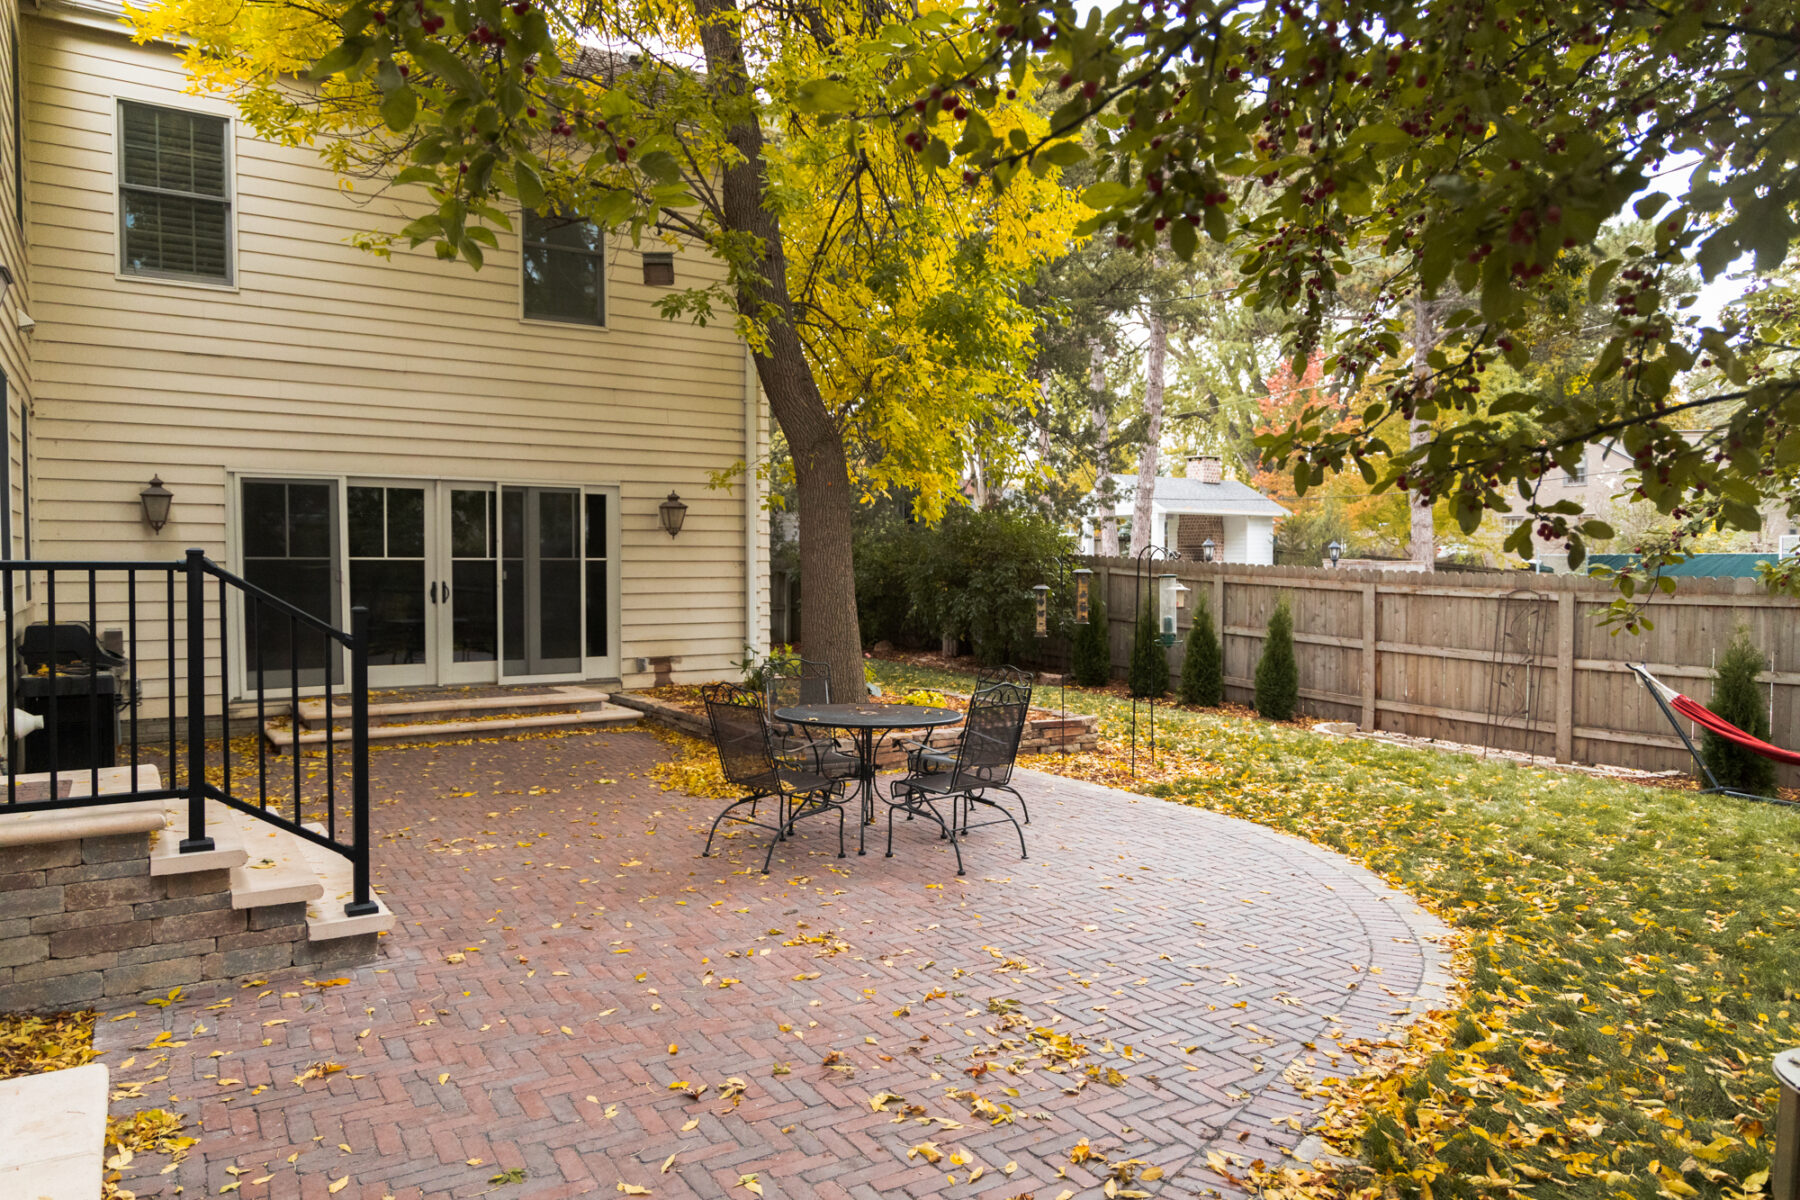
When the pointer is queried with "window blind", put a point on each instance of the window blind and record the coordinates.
(174, 201)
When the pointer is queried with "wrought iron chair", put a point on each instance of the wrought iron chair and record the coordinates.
(809, 683)
(924, 757)
(748, 759)
(983, 762)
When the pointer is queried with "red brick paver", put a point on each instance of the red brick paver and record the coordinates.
(560, 935)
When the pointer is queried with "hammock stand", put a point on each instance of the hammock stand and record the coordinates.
(1672, 702)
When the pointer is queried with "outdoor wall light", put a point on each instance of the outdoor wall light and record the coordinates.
(1172, 597)
(1041, 593)
(1336, 550)
(672, 512)
(1082, 576)
(156, 499)
(1206, 550)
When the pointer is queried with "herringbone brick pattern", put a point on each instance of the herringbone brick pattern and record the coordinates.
(565, 958)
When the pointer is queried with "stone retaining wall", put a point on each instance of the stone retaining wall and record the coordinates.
(83, 920)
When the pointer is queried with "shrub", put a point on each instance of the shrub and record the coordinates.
(969, 576)
(1203, 667)
(1737, 698)
(1148, 675)
(1277, 676)
(1090, 657)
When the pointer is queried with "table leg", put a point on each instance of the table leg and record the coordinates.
(865, 758)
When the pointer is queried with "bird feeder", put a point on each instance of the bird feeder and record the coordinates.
(1042, 594)
(1172, 598)
(1082, 578)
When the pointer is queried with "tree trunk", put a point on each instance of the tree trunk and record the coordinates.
(828, 620)
(1421, 545)
(1106, 522)
(1150, 457)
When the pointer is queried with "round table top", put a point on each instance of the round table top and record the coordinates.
(869, 716)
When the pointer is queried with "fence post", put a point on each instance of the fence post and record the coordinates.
(196, 841)
(361, 903)
(1784, 1168)
(1565, 676)
(1369, 632)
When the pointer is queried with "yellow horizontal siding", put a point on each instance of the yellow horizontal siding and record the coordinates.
(325, 359)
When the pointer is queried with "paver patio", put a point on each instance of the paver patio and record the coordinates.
(565, 956)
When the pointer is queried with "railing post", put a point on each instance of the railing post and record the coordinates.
(1785, 1166)
(361, 903)
(196, 840)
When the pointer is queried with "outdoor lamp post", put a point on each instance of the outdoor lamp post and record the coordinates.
(156, 500)
(1042, 593)
(1206, 550)
(1336, 550)
(672, 512)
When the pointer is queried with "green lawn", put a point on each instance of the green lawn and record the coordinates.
(1633, 953)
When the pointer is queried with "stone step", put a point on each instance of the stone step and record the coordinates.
(452, 707)
(325, 917)
(277, 870)
(53, 1134)
(284, 739)
(222, 827)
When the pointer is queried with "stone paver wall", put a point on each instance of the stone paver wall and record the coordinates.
(82, 920)
(566, 971)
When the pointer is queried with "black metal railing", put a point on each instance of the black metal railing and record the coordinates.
(89, 689)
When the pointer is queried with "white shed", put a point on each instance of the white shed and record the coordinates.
(1187, 513)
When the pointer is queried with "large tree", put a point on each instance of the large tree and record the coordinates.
(876, 291)
(1471, 146)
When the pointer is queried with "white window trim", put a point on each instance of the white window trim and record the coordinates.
(606, 293)
(119, 100)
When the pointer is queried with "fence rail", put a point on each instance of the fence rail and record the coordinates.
(157, 614)
(1432, 655)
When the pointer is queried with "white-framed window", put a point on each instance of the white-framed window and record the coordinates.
(564, 270)
(1512, 521)
(175, 218)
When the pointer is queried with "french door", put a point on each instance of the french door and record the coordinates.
(465, 582)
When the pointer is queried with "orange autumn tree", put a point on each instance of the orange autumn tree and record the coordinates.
(1343, 507)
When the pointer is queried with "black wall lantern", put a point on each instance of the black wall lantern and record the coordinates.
(156, 499)
(1336, 550)
(672, 513)
(1206, 550)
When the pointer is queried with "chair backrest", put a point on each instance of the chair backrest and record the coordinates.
(807, 682)
(739, 733)
(991, 734)
(986, 677)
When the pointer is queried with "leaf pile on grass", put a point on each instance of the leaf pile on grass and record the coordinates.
(31, 1045)
(1633, 961)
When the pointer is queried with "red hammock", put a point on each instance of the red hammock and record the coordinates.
(1698, 713)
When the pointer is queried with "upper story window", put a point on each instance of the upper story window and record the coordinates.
(1578, 474)
(565, 270)
(174, 194)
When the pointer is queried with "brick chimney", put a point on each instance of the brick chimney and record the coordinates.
(1207, 468)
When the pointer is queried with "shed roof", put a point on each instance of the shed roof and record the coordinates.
(1228, 498)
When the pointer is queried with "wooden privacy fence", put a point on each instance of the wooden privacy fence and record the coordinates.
(1514, 661)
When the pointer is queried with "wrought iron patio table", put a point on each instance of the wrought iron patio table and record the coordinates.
(868, 724)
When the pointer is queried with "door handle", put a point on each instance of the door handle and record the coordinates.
(446, 591)
(434, 591)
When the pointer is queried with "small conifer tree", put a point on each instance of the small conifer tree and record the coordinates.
(1203, 668)
(1149, 673)
(1277, 675)
(1737, 698)
(1090, 657)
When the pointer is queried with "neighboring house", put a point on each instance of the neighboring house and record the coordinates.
(1205, 506)
(1599, 484)
(478, 457)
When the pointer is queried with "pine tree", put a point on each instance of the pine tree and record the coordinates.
(1737, 698)
(1149, 673)
(1090, 657)
(1277, 676)
(1203, 667)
